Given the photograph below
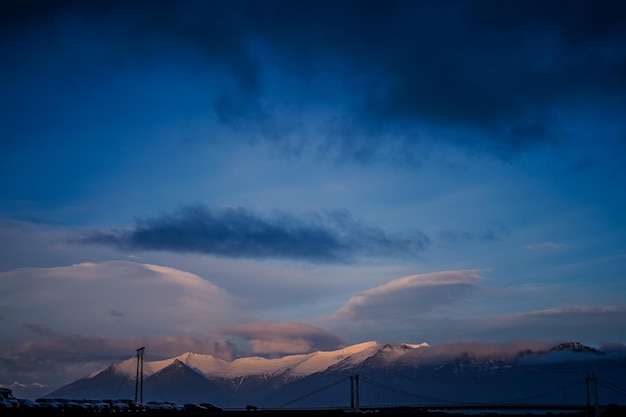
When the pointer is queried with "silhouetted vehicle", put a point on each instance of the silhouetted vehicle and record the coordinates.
(157, 405)
(194, 408)
(132, 405)
(70, 404)
(116, 405)
(49, 404)
(7, 405)
(86, 404)
(7, 400)
(211, 407)
(25, 403)
(174, 405)
(99, 405)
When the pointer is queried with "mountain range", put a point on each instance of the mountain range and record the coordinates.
(403, 374)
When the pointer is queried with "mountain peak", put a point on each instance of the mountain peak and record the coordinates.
(574, 347)
(403, 346)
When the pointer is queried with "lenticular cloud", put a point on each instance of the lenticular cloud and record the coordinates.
(116, 298)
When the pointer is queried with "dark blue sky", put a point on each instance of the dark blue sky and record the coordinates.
(403, 171)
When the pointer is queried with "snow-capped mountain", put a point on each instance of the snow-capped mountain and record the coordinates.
(574, 347)
(322, 378)
(293, 366)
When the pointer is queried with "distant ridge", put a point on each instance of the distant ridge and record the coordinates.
(193, 377)
(575, 347)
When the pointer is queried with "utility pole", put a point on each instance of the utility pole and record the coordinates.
(139, 377)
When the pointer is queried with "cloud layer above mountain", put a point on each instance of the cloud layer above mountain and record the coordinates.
(113, 299)
(409, 296)
(458, 306)
(285, 338)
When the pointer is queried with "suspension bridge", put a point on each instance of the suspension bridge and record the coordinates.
(367, 394)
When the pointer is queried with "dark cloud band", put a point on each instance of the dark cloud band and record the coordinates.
(500, 70)
(240, 233)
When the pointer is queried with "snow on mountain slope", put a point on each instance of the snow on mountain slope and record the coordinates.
(379, 354)
(320, 361)
(292, 365)
(253, 365)
(128, 367)
(397, 353)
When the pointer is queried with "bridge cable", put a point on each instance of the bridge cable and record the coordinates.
(409, 394)
(612, 387)
(543, 394)
(312, 393)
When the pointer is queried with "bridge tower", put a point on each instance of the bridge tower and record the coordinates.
(354, 393)
(592, 411)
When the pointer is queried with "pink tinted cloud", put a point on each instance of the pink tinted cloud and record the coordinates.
(585, 324)
(564, 323)
(483, 349)
(115, 299)
(411, 295)
(284, 337)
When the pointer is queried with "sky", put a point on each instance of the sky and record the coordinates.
(275, 177)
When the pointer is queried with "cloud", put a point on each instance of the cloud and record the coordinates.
(403, 299)
(240, 233)
(507, 74)
(116, 313)
(563, 324)
(457, 236)
(284, 337)
(587, 324)
(590, 325)
(41, 244)
(545, 246)
(38, 329)
(67, 347)
(493, 350)
(453, 307)
(112, 299)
